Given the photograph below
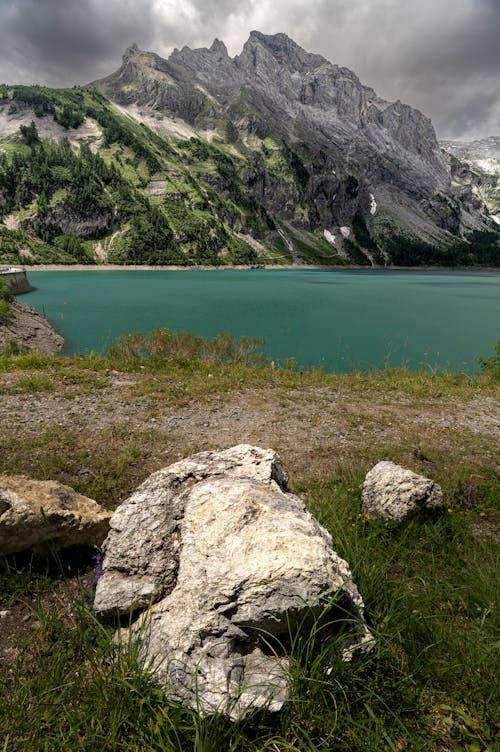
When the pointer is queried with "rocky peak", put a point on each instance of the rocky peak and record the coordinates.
(285, 51)
(207, 64)
(322, 110)
(219, 47)
(130, 52)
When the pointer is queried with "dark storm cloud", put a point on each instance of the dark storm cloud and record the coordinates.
(440, 57)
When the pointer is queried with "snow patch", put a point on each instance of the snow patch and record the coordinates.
(489, 165)
(373, 204)
(328, 235)
(346, 232)
(496, 218)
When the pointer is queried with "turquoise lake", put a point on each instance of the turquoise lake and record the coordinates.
(338, 320)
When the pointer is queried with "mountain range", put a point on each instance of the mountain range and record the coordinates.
(274, 156)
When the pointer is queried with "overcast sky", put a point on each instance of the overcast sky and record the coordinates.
(442, 56)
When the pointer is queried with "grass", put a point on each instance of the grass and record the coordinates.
(104, 465)
(430, 586)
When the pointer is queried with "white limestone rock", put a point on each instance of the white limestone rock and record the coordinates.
(391, 492)
(330, 237)
(230, 563)
(42, 515)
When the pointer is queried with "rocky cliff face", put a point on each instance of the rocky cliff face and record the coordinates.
(359, 159)
(483, 154)
(274, 156)
(475, 170)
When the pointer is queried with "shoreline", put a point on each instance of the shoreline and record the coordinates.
(283, 267)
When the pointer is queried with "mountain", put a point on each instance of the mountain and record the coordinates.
(273, 156)
(477, 163)
(483, 154)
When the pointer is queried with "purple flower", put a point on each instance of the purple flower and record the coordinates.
(467, 496)
(91, 580)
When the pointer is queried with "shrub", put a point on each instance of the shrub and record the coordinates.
(181, 347)
(492, 364)
(6, 298)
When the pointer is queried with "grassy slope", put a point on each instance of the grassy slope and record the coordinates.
(204, 200)
(429, 586)
(213, 193)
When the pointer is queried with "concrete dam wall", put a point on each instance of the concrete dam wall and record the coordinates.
(16, 278)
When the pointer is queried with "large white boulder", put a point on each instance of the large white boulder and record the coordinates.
(224, 566)
(40, 516)
(392, 492)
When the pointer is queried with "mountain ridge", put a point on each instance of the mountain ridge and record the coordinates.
(276, 145)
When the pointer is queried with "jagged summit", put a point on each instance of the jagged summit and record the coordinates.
(273, 154)
(130, 52)
(220, 47)
(336, 129)
(285, 51)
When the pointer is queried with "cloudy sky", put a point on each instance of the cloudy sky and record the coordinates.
(442, 56)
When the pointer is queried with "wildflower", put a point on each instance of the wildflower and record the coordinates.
(467, 496)
(450, 510)
(92, 579)
(97, 569)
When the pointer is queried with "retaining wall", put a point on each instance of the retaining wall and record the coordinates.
(16, 279)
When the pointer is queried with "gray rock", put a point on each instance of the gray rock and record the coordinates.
(42, 515)
(229, 565)
(391, 492)
(29, 329)
(333, 124)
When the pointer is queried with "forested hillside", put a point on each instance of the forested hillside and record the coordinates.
(83, 182)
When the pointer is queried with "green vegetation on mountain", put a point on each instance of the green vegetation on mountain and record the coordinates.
(6, 298)
(128, 195)
(59, 194)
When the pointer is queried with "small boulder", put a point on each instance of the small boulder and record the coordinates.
(42, 515)
(392, 492)
(224, 565)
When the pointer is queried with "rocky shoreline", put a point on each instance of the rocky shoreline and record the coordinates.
(174, 268)
(29, 329)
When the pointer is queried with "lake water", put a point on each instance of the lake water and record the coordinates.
(339, 320)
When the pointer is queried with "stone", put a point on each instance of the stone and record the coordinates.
(40, 516)
(3, 614)
(30, 330)
(392, 492)
(223, 565)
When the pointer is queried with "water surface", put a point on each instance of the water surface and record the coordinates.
(336, 319)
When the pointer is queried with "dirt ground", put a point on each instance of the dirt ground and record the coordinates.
(314, 427)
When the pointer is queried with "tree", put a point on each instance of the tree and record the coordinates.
(30, 134)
